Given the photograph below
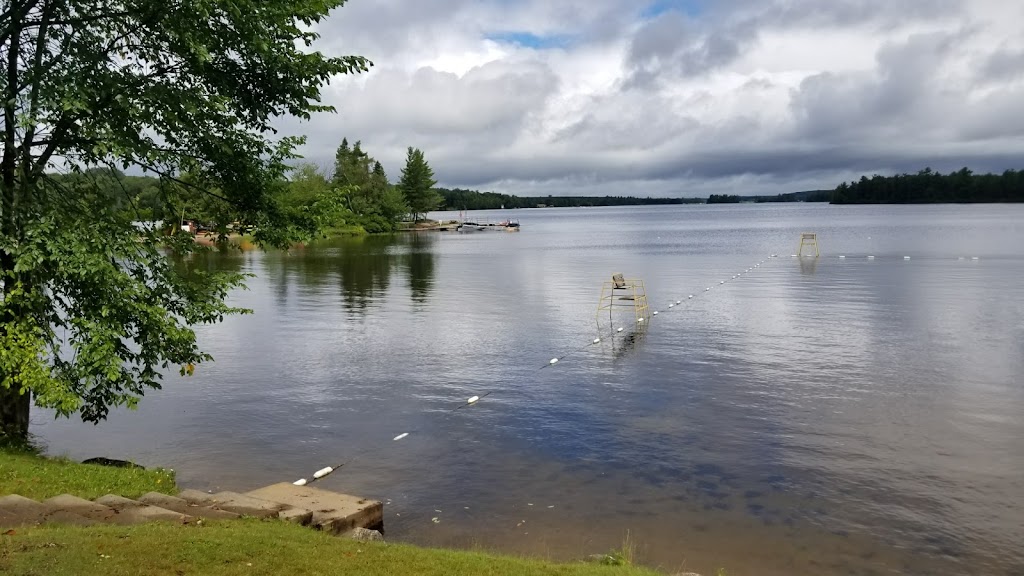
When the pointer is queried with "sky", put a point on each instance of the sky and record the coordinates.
(675, 97)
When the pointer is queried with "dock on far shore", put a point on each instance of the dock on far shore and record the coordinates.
(460, 226)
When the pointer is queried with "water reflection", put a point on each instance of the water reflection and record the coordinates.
(360, 268)
(831, 417)
(808, 265)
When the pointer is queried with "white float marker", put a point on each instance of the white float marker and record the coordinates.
(640, 320)
(299, 482)
(472, 400)
(708, 289)
(322, 472)
(975, 258)
(906, 257)
(597, 340)
(842, 257)
(671, 305)
(678, 302)
(655, 312)
(871, 257)
(402, 435)
(553, 361)
(619, 330)
(690, 297)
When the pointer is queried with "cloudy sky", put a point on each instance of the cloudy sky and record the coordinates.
(677, 97)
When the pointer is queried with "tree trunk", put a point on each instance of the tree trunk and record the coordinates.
(14, 406)
(14, 410)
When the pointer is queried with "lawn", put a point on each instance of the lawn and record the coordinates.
(250, 547)
(245, 546)
(25, 473)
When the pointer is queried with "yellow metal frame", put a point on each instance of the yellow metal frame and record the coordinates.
(630, 294)
(808, 239)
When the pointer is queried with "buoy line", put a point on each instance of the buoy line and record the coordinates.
(473, 400)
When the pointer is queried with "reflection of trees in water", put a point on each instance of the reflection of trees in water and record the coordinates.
(210, 261)
(361, 267)
(420, 266)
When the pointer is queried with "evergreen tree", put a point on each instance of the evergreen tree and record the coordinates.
(392, 202)
(417, 184)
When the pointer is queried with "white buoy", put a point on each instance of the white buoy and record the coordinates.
(690, 296)
(708, 289)
(322, 472)
(472, 399)
(792, 255)
(639, 319)
(402, 435)
(842, 257)
(678, 302)
(871, 257)
(906, 257)
(655, 312)
(553, 361)
(975, 258)
(597, 340)
(300, 482)
(619, 330)
(720, 282)
(671, 305)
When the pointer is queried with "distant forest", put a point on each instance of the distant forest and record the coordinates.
(806, 196)
(460, 199)
(928, 187)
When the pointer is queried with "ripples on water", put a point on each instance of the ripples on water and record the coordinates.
(821, 416)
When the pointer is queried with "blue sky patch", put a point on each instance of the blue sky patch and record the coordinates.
(531, 40)
(691, 8)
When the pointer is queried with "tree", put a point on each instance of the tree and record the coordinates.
(92, 310)
(392, 202)
(417, 184)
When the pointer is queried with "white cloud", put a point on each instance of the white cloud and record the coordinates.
(535, 97)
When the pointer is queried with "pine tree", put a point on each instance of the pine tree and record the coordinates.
(417, 184)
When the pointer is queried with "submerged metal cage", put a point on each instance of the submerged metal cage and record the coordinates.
(622, 293)
(809, 239)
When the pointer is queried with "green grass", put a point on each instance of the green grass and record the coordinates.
(250, 547)
(32, 476)
(246, 546)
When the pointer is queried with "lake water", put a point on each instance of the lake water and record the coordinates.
(814, 416)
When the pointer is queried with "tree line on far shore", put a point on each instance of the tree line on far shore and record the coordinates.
(931, 187)
(462, 199)
(355, 196)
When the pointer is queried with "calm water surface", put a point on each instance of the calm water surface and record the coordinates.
(829, 416)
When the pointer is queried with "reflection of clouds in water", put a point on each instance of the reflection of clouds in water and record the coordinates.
(800, 418)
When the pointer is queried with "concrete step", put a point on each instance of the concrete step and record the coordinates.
(18, 511)
(133, 512)
(85, 508)
(238, 503)
(332, 512)
(184, 507)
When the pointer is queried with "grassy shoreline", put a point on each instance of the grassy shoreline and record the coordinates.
(246, 546)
